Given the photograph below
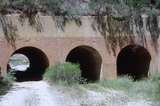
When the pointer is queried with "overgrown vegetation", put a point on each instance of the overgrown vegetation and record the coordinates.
(124, 21)
(6, 83)
(66, 73)
(147, 89)
(118, 29)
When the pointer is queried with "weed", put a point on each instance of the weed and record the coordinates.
(147, 89)
(6, 83)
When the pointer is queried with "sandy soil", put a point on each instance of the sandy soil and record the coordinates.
(42, 94)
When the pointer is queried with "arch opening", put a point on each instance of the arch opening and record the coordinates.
(134, 61)
(18, 62)
(89, 60)
(38, 62)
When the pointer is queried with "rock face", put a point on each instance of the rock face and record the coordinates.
(49, 41)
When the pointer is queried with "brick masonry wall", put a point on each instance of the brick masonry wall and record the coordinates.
(58, 46)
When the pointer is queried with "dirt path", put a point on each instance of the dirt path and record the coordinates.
(41, 94)
(29, 94)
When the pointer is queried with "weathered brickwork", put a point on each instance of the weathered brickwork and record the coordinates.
(57, 44)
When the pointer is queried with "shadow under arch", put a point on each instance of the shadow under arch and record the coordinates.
(134, 61)
(38, 64)
(90, 62)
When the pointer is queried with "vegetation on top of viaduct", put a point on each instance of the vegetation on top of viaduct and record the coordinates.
(117, 28)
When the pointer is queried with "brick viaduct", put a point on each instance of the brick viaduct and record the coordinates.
(77, 44)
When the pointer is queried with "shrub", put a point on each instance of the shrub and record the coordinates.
(8, 79)
(148, 89)
(6, 83)
(68, 73)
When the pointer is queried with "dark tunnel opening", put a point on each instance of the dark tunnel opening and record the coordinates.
(90, 62)
(38, 64)
(134, 61)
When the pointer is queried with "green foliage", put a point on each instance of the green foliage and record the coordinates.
(6, 83)
(158, 4)
(148, 89)
(56, 7)
(122, 14)
(29, 9)
(67, 73)
(123, 83)
(8, 79)
(137, 3)
(53, 6)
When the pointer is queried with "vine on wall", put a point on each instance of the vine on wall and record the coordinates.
(152, 26)
(124, 22)
(9, 30)
(29, 10)
(61, 21)
(118, 33)
(116, 27)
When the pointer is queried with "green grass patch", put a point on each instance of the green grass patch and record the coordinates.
(147, 89)
(122, 83)
(6, 83)
(70, 74)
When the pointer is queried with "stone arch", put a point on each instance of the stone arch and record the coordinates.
(89, 59)
(38, 64)
(134, 61)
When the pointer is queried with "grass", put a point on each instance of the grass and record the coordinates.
(147, 89)
(4, 88)
(69, 74)
(5, 84)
